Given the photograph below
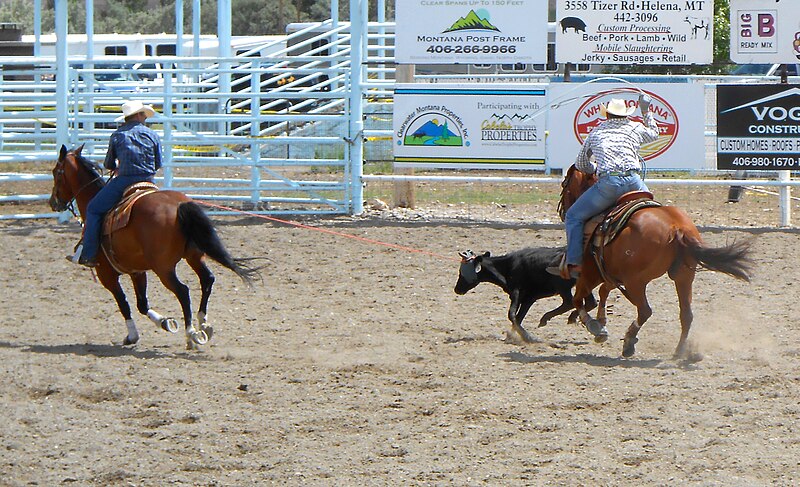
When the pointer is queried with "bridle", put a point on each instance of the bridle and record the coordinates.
(58, 181)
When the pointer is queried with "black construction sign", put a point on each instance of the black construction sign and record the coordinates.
(758, 127)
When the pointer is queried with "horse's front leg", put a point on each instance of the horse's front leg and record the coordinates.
(603, 292)
(194, 337)
(636, 295)
(140, 288)
(110, 280)
(582, 294)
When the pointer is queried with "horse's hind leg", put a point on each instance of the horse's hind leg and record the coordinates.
(110, 280)
(636, 295)
(181, 291)
(140, 287)
(206, 284)
(684, 280)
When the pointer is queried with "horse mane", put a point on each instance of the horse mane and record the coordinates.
(90, 167)
(573, 185)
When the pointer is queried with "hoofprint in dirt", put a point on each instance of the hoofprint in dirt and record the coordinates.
(356, 364)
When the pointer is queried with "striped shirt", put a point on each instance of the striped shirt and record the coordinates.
(614, 145)
(137, 148)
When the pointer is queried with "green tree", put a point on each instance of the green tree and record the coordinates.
(248, 17)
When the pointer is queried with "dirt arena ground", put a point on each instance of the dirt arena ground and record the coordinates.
(356, 364)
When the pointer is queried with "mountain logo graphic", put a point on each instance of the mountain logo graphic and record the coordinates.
(472, 21)
(433, 129)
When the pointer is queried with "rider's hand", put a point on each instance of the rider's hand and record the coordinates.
(644, 103)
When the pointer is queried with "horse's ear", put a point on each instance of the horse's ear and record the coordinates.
(79, 149)
(63, 152)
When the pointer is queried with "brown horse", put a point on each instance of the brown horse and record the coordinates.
(164, 227)
(655, 241)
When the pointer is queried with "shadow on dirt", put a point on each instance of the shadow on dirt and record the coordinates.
(593, 360)
(97, 350)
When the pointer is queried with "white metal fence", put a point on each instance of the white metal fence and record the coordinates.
(278, 133)
(267, 133)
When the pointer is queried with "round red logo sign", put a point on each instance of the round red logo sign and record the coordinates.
(590, 115)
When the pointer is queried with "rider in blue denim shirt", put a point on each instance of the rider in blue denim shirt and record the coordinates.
(134, 153)
(612, 151)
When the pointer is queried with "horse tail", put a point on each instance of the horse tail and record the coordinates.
(199, 231)
(733, 259)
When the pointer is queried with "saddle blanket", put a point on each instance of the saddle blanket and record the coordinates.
(119, 215)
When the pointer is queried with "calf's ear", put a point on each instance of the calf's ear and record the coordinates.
(486, 254)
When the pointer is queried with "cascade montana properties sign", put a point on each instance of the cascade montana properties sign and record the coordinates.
(758, 127)
(765, 31)
(678, 109)
(471, 31)
(495, 126)
(635, 31)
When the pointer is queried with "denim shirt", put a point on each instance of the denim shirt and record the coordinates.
(137, 148)
(615, 145)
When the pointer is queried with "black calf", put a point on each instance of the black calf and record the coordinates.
(523, 277)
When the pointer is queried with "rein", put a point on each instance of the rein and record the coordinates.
(70, 205)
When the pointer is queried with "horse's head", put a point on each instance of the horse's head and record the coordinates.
(574, 184)
(62, 192)
(72, 174)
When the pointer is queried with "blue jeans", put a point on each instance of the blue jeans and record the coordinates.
(596, 199)
(100, 205)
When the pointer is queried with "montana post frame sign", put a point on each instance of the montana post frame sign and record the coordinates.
(471, 31)
(635, 31)
(758, 127)
(488, 126)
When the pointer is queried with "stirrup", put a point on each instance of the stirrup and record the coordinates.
(76, 256)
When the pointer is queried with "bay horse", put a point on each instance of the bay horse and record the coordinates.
(164, 227)
(656, 240)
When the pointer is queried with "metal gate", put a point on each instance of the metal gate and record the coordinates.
(278, 128)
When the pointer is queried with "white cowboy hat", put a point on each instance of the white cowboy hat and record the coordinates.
(132, 107)
(617, 106)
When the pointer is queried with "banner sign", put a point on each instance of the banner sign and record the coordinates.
(678, 108)
(758, 127)
(471, 31)
(635, 31)
(765, 31)
(496, 126)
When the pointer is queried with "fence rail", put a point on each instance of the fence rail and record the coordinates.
(277, 133)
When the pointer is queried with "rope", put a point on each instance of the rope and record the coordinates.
(331, 232)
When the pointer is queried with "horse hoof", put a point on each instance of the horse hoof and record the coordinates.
(598, 330)
(170, 325)
(629, 347)
(129, 341)
(208, 330)
(199, 337)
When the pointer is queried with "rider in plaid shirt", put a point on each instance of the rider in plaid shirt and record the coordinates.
(614, 147)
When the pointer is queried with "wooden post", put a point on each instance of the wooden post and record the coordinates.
(404, 190)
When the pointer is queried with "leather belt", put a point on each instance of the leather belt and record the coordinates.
(629, 172)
